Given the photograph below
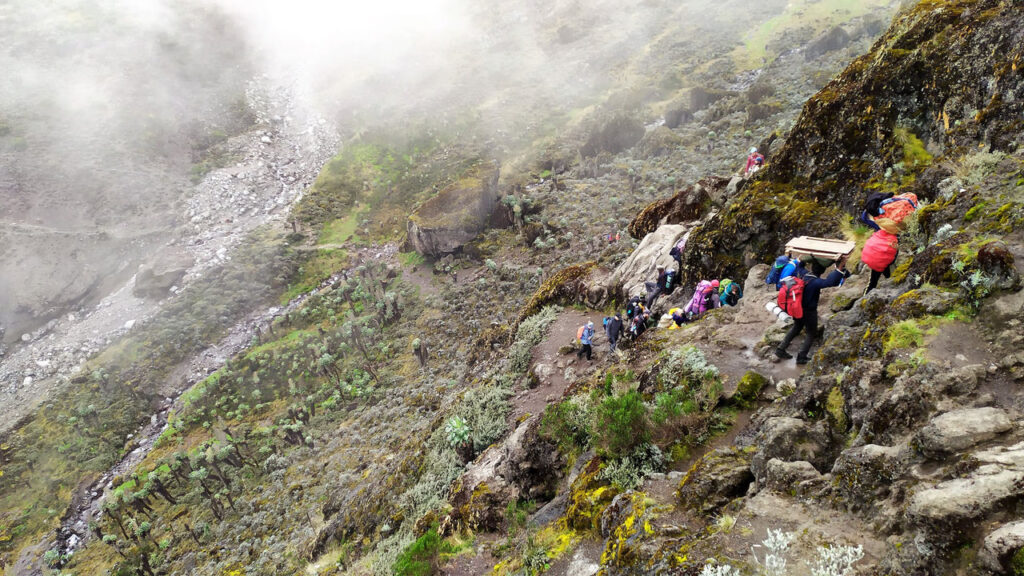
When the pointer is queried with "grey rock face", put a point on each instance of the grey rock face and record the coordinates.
(641, 266)
(1000, 545)
(155, 280)
(960, 429)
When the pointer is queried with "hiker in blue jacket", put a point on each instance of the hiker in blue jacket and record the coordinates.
(813, 285)
(586, 339)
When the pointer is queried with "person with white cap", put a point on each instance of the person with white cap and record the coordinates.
(754, 163)
(586, 336)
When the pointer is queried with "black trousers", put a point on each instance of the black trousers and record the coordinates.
(653, 291)
(586, 349)
(809, 325)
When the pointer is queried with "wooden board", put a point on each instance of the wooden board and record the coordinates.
(823, 247)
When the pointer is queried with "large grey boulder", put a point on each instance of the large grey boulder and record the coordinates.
(156, 278)
(960, 429)
(786, 477)
(641, 266)
(998, 479)
(455, 216)
(1000, 546)
(789, 440)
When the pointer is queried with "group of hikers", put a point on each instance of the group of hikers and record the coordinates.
(798, 281)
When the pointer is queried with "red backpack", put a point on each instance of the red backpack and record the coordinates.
(791, 297)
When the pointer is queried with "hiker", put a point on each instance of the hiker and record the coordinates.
(784, 267)
(754, 162)
(799, 298)
(665, 284)
(634, 307)
(729, 292)
(613, 330)
(586, 337)
(879, 253)
(639, 324)
(887, 214)
(678, 318)
(705, 297)
(677, 250)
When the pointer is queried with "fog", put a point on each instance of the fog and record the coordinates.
(106, 106)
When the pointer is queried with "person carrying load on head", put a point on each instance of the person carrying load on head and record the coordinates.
(799, 298)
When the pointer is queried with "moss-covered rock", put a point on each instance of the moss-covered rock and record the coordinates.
(755, 226)
(716, 479)
(687, 205)
(588, 497)
(453, 217)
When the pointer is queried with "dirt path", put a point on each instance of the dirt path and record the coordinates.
(557, 371)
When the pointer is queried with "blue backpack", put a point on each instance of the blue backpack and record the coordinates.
(794, 269)
(775, 274)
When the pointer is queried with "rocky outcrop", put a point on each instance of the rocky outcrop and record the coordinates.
(524, 466)
(641, 266)
(789, 440)
(954, 504)
(448, 221)
(617, 134)
(961, 429)
(687, 205)
(1000, 545)
(659, 142)
(155, 279)
(715, 480)
(834, 39)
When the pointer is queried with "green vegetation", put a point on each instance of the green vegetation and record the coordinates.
(429, 551)
(314, 271)
(620, 424)
(820, 16)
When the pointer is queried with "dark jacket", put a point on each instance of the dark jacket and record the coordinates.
(813, 287)
(614, 328)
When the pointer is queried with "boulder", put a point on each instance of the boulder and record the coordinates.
(834, 39)
(687, 205)
(954, 503)
(524, 466)
(1000, 546)
(452, 218)
(156, 278)
(997, 477)
(864, 474)
(715, 480)
(641, 266)
(785, 477)
(789, 440)
(960, 429)
(659, 141)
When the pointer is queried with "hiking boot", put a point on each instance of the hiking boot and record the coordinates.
(783, 354)
(802, 360)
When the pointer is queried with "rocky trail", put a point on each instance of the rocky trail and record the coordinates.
(277, 160)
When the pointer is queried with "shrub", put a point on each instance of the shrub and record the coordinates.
(530, 333)
(620, 424)
(567, 424)
(486, 411)
(629, 472)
